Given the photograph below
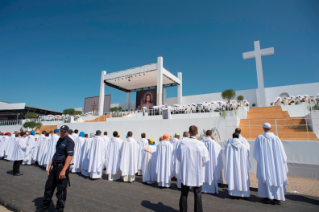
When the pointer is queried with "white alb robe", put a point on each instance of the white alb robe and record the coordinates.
(114, 153)
(193, 155)
(106, 145)
(39, 155)
(19, 149)
(148, 164)
(51, 149)
(142, 144)
(85, 157)
(78, 154)
(174, 142)
(129, 156)
(272, 166)
(213, 168)
(237, 166)
(164, 163)
(10, 147)
(96, 156)
(44, 149)
(2, 140)
(29, 151)
(4, 144)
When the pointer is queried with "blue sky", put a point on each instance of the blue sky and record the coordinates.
(52, 52)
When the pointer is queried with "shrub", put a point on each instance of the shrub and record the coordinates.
(228, 94)
(31, 115)
(240, 98)
(32, 124)
(71, 111)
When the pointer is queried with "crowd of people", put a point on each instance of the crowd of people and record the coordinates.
(297, 100)
(194, 163)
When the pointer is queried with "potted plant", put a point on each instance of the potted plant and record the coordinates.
(228, 94)
(292, 103)
(240, 98)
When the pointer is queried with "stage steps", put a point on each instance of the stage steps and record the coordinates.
(100, 118)
(288, 128)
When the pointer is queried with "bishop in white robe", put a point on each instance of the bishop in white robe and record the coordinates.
(96, 156)
(114, 157)
(149, 156)
(213, 168)
(237, 166)
(129, 157)
(142, 143)
(164, 162)
(272, 166)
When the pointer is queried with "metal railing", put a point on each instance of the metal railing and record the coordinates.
(10, 122)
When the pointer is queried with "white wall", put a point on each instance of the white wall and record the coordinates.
(11, 106)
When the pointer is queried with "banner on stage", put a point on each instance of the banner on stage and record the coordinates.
(146, 98)
(92, 104)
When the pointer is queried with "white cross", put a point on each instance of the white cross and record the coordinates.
(257, 54)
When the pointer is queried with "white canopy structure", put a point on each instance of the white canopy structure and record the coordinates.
(145, 77)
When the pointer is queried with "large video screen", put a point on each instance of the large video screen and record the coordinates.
(92, 104)
(146, 99)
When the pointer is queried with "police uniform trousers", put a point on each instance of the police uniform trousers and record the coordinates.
(52, 183)
(197, 199)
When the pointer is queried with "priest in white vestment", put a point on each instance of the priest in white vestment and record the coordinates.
(52, 147)
(4, 143)
(19, 152)
(193, 155)
(213, 169)
(237, 166)
(174, 142)
(44, 149)
(85, 155)
(272, 166)
(96, 157)
(29, 151)
(105, 149)
(10, 146)
(78, 153)
(164, 164)
(149, 156)
(142, 144)
(241, 138)
(129, 157)
(114, 160)
(40, 148)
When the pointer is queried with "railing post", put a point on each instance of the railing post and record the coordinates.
(307, 129)
(276, 127)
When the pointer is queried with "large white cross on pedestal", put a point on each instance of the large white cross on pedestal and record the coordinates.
(257, 54)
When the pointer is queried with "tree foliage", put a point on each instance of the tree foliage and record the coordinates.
(240, 98)
(72, 112)
(228, 94)
(114, 109)
(32, 124)
(31, 115)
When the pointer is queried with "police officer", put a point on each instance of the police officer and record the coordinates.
(58, 171)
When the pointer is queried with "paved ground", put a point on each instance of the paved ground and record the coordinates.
(24, 193)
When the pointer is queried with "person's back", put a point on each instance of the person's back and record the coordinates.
(114, 154)
(148, 164)
(164, 164)
(129, 157)
(193, 155)
(96, 156)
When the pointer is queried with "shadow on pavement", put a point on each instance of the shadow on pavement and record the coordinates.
(10, 172)
(300, 198)
(37, 203)
(157, 207)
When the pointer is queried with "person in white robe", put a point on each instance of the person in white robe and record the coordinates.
(51, 147)
(272, 166)
(85, 155)
(164, 162)
(129, 157)
(213, 169)
(72, 136)
(142, 144)
(241, 138)
(10, 146)
(237, 166)
(193, 155)
(114, 157)
(4, 143)
(78, 153)
(40, 148)
(148, 163)
(20, 146)
(44, 149)
(174, 142)
(28, 160)
(105, 149)
(76, 134)
(96, 157)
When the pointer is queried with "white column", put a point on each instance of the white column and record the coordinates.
(164, 96)
(128, 98)
(101, 100)
(179, 89)
(260, 75)
(159, 68)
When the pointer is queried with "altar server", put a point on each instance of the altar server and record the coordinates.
(213, 169)
(149, 162)
(114, 153)
(52, 147)
(78, 152)
(85, 155)
(19, 152)
(96, 157)
(142, 144)
(193, 155)
(164, 163)
(271, 166)
(237, 166)
(129, 158)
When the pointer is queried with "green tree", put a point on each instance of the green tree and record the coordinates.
(240, 98)
(31, 115)
(32, 124)
(71, 111)
(113, 109)
(228, 94)
(120, 108)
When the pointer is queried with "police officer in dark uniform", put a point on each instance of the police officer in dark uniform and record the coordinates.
(58, 171)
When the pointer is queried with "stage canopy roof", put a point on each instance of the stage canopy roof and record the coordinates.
(139, 78)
